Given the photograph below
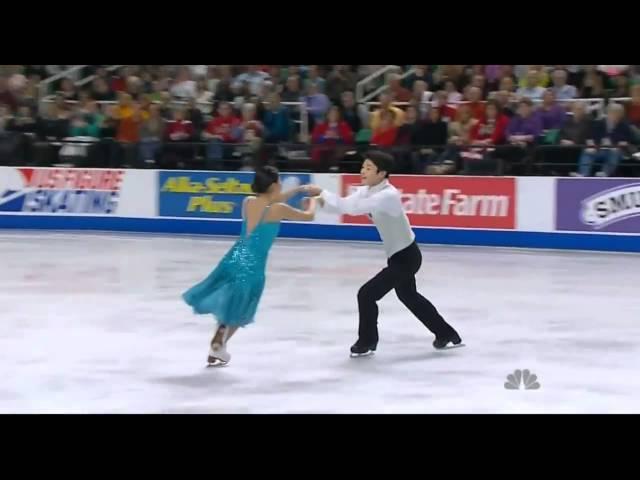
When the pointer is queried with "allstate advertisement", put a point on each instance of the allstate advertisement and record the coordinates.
(61, 190)
(213, 194)
(598, 205)
(462, 202)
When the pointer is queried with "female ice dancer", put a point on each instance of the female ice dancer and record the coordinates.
(233, 290)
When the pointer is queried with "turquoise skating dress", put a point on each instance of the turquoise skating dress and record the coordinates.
(233, 290)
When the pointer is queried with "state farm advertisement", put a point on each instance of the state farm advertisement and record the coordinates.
(450, 202)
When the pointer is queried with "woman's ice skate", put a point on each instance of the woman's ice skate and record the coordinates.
(218, 355)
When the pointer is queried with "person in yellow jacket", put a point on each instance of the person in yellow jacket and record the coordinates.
(385, 104)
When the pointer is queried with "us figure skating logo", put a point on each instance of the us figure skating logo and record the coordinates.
(60, 190)
(521, 378)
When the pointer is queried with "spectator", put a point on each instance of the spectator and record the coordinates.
(561, 90)
(577, 127)
(491, 129)
(475, 104)
(447, 112)
(460, 129)
(507, 84)
(25, 121)
(422, 97)
(531, 89)
(459, 132)
(453, 96)
(101, 91)
(525, 127)
(277, 121)
(492, 74)
(385, 133)
(204, 98)
(220, 129)
(6, 120)
(397, 91)
(609, 138)
(421, 74)
(251, 129)
(480, 81)
(84, 100)
(328, 135)
(386, 105)
(313, 77)
(620, 86)
(212, 79)
(6, 96)
(129, 118)
(504, 99)
(430, 135)
(407, 132)
(67, 90)
(317, 103)
(151, 135)
(291, 92)
(194, 115)
(542, 77)
(349, 111)
(253, 77)
(592, 82)
(84, 125)
(184, 87)
(552, 115)
(633, 108)
(224, 92)
(434, 131)
(30, 93)
(119, 80)
(109, 126)
(338, 81)
(135, 87)
(178, 134)
(179, 129)
(55, 124)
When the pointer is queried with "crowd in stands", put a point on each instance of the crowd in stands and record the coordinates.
(434, 118)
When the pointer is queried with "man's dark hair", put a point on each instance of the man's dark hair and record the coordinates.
(382, 160)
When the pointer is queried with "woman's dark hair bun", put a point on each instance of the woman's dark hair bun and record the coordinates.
(264, 178)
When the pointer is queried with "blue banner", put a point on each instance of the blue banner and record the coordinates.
(214, 194)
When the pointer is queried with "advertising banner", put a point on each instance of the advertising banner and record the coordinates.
(61, 190)
(598, 205)
(213, 194)
(463, 202)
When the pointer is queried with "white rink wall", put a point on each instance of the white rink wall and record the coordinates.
(530, 212)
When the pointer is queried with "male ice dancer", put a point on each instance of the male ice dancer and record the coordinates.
(381, 201)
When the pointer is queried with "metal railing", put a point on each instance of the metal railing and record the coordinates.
(43, 86)
(385, 87)
(90, 78)
(360, 86)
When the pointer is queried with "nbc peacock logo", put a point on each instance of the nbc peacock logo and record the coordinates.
(520, 378)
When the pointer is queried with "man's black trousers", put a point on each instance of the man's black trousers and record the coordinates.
(398, 275)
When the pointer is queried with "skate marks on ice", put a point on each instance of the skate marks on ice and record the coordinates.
(120, 340)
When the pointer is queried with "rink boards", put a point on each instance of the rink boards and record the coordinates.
(529, 212)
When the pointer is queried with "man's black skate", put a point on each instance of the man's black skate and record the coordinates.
(442, 341)
(361, 349)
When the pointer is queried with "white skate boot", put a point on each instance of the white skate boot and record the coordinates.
(218, 355)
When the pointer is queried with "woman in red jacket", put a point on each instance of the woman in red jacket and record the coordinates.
(491, 129)
(488, 132)
(328, 136)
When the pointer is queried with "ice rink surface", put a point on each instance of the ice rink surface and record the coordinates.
(94, 323)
